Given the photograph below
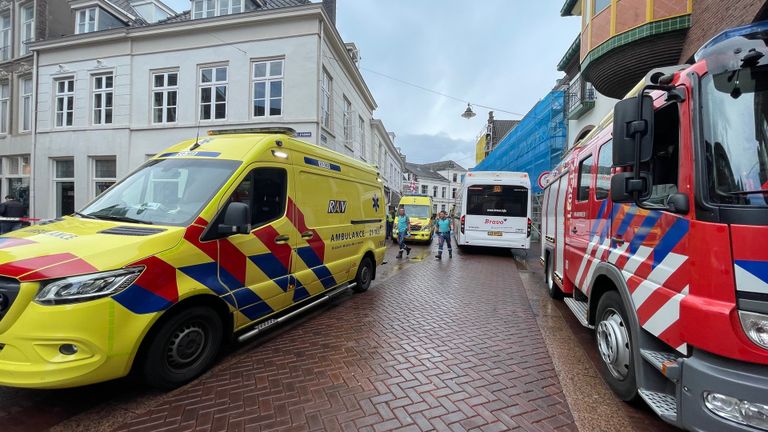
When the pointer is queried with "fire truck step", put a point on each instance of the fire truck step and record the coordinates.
(579, 308)
(666, 362)
(664, 405)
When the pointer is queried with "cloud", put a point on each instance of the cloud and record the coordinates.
(424, 148)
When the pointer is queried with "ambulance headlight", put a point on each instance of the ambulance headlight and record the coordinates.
(87, 287)
(755, 325)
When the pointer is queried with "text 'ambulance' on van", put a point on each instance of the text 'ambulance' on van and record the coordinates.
(211, 240)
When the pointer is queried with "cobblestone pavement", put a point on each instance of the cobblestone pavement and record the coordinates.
(433, 345)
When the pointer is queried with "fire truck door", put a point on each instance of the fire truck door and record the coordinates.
(578, 228)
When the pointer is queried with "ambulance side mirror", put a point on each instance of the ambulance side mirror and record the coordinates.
(628, 123)
(236, 220)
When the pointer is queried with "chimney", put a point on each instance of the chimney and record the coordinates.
(330, 9)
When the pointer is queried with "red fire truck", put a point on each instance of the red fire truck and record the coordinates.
(655, 230)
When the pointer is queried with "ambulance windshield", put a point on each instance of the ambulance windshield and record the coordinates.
(735, 135)
(416, 211)
(163, 192)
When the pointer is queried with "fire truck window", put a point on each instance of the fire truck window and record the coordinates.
(264, 190)
(604, 161)
(585, 179)
(664, 164)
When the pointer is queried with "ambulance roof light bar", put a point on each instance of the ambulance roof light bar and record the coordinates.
(265, 130)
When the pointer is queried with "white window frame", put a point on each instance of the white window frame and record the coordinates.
(213, 85)
(434, 191)
(326, 104)
(68, 98)
(27, 28)
(227, 7)
(165, 90)
(7, 174)
(361, 133)
(444, 192)
(347, 123)
(5, 100)
(83, 19)
(100, 113)
(56, 180)
(25, 104)
(216, 8)
(268, 79)
(6, 25)
(95, 179)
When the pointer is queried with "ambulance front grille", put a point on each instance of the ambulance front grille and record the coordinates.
(9, 289)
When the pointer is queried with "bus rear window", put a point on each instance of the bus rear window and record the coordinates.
(497, 200)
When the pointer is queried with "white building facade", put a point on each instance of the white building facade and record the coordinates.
(424, 179)
(108, 100)
(390, 162)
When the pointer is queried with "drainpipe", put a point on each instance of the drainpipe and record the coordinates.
(33, 152)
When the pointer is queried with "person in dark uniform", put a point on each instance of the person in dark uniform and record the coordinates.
(11, 208)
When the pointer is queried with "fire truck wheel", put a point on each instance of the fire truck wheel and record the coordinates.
(552, 288)
(364, 275)
(615, 346)
(184, 347)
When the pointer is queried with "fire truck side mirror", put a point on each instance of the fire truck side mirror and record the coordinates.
(627, 123)
(624, 185)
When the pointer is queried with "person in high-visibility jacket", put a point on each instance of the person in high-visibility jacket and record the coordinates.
(390, 222)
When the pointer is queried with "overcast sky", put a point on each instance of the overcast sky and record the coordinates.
(499, 53)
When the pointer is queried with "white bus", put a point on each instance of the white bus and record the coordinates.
(493, 208)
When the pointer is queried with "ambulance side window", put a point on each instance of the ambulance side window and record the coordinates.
(264, 190)
(604, 161)
(585, 179)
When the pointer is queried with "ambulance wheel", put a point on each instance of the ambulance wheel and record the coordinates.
(184, 347)
(364, 275)
(614, 344)
(552, 288)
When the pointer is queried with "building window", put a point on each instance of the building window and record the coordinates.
(442, 207)
(5, 36)
(64, 186)
(213, 93)
(268, 86)
(209, 8)
(86, 20)
(424, 189)
(27, 28)
(347, 123)
(5, 91)
(103, 95)
(361, 133)
(104, 174)
(434, 208)
(25, 105)
(600, 5)
(453, 193)
(443, 191)
(165, 90)
(15, 171)
(455, 176)
(327, 97)
(434, 191)
(65, 102)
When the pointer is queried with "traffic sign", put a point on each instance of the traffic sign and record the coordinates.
(543, 179)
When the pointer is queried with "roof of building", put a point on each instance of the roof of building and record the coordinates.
(125, 5)
(570, 54)
(444, 165)
(501, 128)
(423, 171)
(567, 9)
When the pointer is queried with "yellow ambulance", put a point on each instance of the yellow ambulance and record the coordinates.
(420, 214)
(211, 241)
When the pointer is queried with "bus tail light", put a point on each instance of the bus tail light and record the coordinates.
(462, 224)
(529, 227)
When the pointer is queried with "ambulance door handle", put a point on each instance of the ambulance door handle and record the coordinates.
(307, 235)
(282, 239)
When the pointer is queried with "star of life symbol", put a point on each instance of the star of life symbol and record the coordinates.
(375, 202)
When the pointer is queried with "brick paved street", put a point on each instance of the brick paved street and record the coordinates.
(450, 345)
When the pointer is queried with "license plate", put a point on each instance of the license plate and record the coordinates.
(495, 233)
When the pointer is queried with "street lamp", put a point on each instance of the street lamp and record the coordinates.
(468, 113)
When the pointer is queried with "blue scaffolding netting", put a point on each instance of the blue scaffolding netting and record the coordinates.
(536, 144)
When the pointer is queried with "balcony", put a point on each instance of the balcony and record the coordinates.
(621, 40)
(579, 99)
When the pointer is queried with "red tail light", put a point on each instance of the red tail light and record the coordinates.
(529, 227)
(462, 224)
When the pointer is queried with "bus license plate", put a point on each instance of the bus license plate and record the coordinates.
(494, 233)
